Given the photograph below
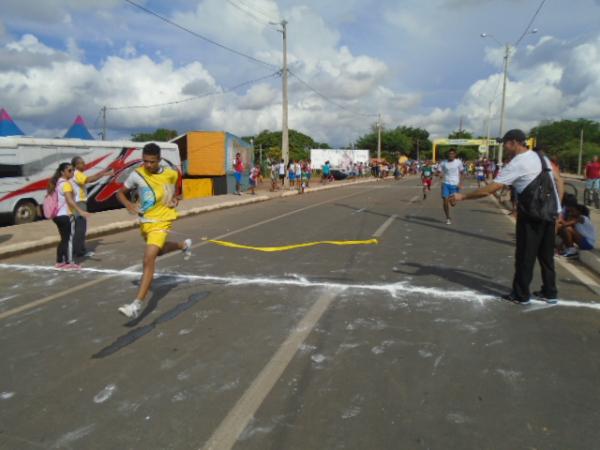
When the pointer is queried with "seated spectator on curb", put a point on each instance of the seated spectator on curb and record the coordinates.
(577, 231)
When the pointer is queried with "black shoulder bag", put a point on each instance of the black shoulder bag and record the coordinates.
(538, 201)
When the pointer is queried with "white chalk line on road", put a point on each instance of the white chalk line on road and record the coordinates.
(238, 418)
(396, 290)
(384, 226)
(44, 300)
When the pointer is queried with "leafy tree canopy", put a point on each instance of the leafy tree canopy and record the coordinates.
(160, 135)
(299, 144)
(395, 142)
(460, 134)
(561, 139)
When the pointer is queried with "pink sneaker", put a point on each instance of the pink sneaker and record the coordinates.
(71, 266)
(60, 265)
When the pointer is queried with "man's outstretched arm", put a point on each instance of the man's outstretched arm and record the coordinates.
(479, 193)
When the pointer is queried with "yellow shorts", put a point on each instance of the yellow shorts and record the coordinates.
(156, 233)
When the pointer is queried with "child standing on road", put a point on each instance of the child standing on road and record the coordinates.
(292, 174)
(254, 174)
(274, 171)
(298, 170)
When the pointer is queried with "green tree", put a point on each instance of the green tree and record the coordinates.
(395, 142)
(160, 135)
(460, 134)
(560, 139)
(299, 144)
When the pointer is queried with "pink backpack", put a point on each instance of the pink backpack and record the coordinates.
(50, 205)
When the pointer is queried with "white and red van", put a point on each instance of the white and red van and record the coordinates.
(27, 164)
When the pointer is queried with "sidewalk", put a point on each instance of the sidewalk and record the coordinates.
(18, 239)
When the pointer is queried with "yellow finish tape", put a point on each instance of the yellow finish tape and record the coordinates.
(294, 246)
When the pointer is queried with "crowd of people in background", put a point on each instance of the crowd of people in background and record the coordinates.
(574, 231)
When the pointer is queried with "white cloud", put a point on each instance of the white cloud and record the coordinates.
(411, 61)
(51, 10)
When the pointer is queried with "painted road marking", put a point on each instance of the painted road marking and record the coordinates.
(396, 290)
(42, 301)
(230, 429)
(384, 226)
(414, 199)
(285, 248)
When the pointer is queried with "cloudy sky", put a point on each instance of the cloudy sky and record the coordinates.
(420, 63)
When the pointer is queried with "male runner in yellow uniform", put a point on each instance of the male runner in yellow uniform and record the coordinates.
(156, 186)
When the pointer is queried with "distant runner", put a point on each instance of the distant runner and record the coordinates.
(156, 187)
(426, 178)
(480, 173)
(452, 170)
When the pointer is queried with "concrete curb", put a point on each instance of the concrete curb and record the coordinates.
(116, 227)
(591, 260)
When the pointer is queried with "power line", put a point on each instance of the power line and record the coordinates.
(197, 97)
(530, 23)
(249, 13)
(333, 102)
(260, 11)
(193, 33)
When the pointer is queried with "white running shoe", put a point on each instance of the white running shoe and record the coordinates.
(448, 222)
(89, 254)
(571, 252)
(187, 250)
(131, 310)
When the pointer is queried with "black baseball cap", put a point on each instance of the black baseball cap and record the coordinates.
(514, 135)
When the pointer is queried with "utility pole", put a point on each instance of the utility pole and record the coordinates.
(104, 123)
(379, 137)
(418, 151)
(489, 122)
(506, 56)
(579, 163)
(285, 150)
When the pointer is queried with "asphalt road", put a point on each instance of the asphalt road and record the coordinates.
(400, 345)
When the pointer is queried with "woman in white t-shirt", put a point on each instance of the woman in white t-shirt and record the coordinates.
(282, 173)
(64, 220)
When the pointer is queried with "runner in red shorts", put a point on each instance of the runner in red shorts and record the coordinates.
(426, 178)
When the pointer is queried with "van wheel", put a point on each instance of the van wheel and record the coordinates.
(25, 212)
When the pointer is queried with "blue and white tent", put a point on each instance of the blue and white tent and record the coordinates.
(78, 130)
(7, 125)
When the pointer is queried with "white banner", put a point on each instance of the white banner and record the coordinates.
(338, 158)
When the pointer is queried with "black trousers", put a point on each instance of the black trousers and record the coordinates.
(535, 240)
(66, 228)
(80, 231)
